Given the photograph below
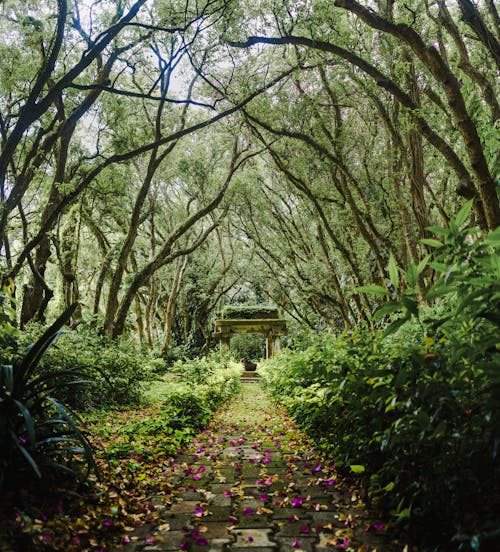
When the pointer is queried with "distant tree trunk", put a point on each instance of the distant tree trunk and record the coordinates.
(345, 308)
(139, 319)
(417, 175)
(169, 308)
(68, 259)
(36, 293)
(151, 311)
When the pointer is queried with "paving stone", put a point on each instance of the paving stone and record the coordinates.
(286, 513)
(206, 468)
(259, 549)
(212, 530)
(231, 452)
(251, 491)
(218, 513)
(248, 451)
(277, 486)
(192, 496)
(315, 491)
(228, 472)
(249, 471)
(294, 529)
(214, 545)
(289, 544)
(184, 507)
(248, 502)
(246, 522)
(280, 471)
(177, 521)
(203, 483)
(327, 542)
(220, 488)
(323, 518)
(324, 503)
(185, 459)
(253, 538)
(220, 500)
(171, 541)
(130, 547)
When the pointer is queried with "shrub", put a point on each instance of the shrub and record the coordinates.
(114, 372)
(249, 312)
(39, 436)
(251, 347)
(416, 410)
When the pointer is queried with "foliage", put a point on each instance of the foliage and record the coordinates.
(39, 436)
(214, 378)
(249, 312)
(181, 404)
(8, 330)
(134, 448)
(416, 412)
(248, 346)
(114, 371)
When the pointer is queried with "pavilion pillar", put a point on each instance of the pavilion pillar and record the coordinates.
(276, 344)
(225, 344)
(269, 346)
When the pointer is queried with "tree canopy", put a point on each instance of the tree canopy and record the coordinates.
(162, 159)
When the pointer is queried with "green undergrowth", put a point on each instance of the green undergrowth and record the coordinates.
(180, 403)
(132, 448)
(414, 409)
(111, 373)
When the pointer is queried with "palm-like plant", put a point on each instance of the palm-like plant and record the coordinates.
(39, 435)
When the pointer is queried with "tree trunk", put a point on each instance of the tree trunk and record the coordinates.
(169, 308)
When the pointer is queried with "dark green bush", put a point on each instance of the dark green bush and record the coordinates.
(249, 312)
(38, 435)
(416, 413)
(248, 346)
(204, 384)
(114, 372)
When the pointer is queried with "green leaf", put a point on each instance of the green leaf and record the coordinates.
(422, 264)
(438, 230)
(374, 290)
(431, 242)
(394, 326)
(30, 459)
(439, 267)
(404, 514)
(89, 450)
(494, 236)
(464, 213)
(412, 275)
(410, 304)
(28, 422)
(32, 358)
(393, 271)
(387, 308)
(8, 378)
(357, 468)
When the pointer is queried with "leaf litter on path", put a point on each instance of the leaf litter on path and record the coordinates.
(251, 479)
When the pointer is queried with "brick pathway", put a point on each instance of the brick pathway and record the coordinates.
(251, 481)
